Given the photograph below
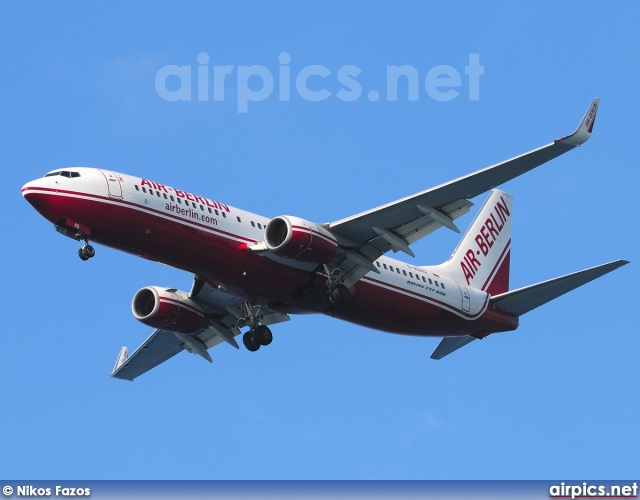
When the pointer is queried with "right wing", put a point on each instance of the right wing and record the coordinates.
(227, 317)
(368, 235)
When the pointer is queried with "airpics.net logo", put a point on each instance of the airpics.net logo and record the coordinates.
(257, 83)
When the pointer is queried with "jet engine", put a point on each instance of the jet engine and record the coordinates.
(297, 239)
(168, 309)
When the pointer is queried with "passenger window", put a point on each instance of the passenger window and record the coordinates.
(158, 194)
(442, 285)
(216, 212)
(179, 200)
(410, 274)
(223, 215)
(398, 270)
(209, 208)
(144, 190)
(193, 204)
(137, 188)
(430, 282)
(238, 219)
(384, 265)
(378, 264)
(165, 195)
(201, 208)
(171, 197)
(424, 279)
(437, 284)
(404, 272)
(253, 224)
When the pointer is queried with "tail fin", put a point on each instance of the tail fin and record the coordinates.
(482, 258)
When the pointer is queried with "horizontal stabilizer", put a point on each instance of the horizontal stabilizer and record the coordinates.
(449, 344)
(523, 300)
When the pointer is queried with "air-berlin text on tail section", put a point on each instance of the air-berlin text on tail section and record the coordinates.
(485, 239)
(184, 195)
(591, 119)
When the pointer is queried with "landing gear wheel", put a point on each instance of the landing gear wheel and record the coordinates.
(339, 295)
(263, 335)
(86, 252)
(249, 342)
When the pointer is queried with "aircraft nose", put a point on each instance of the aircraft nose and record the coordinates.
(35, 195)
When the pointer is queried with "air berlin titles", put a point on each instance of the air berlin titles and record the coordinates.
(485, 239)
(184, 195)
(591, 119)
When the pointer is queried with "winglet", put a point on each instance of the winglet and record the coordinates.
(122, 359)
(583, 132)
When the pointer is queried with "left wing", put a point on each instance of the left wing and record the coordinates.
(227, 313)
(398, 224)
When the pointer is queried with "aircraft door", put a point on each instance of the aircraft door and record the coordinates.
(113, 184)
(466, 298)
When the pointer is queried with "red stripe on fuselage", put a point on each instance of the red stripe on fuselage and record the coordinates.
(426, 298)
(495, 268)
(129, 204)
(214, 254)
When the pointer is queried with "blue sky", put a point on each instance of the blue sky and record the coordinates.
(557, 398)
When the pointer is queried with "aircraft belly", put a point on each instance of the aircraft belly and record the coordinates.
(404, 312)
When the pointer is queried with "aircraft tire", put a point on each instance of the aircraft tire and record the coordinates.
(340, 294)
(249, 342)
(82, 255)
(262, 334)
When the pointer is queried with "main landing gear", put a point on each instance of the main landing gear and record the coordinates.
(258, 335)
(337, 292)
(87, 251)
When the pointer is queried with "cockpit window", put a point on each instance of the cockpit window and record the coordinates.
(63, 173)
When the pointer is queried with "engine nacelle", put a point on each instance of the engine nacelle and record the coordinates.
(168, 309)
(297, 239)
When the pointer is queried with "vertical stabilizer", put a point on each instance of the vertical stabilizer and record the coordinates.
(482, 258)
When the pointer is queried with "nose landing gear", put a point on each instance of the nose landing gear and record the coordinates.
(87, 251)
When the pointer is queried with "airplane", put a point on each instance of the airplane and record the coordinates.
(252, 271)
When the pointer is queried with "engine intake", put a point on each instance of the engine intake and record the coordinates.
(168, 309)
(297, 239)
